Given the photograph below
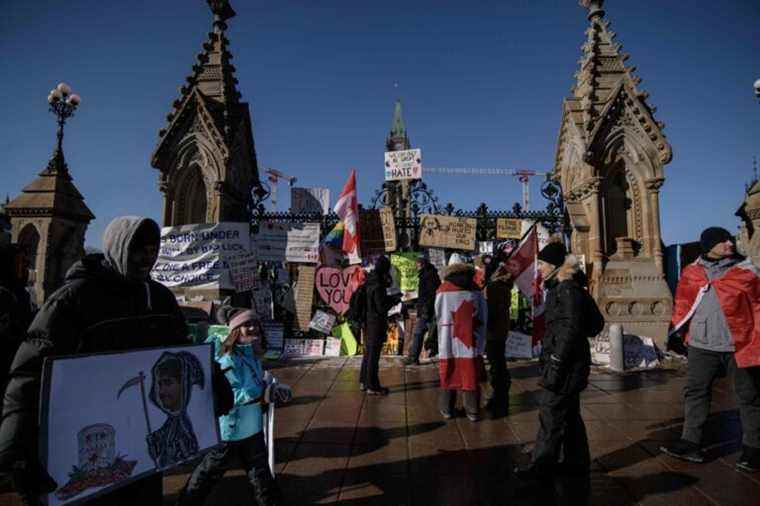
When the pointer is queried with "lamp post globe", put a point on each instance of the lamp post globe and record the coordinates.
(757, 88)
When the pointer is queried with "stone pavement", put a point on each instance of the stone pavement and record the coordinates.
(337, 445)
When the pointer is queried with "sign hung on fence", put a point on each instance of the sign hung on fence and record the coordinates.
(150, 410)
(243, 271)
(280, 242)
(335, 286)
(313, 200)
(198, 255)
(304, 295)
(378, 231)
(508, 228)
(405, 164)
(262, 301)
(274, 332)
(322, 322)
(437, 231)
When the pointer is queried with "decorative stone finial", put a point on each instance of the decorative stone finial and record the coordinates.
(222, 12)
(594, 8)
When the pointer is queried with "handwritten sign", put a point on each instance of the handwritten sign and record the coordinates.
(294, 348)
(280, 242)
(312, 200)
(508, 228)
(405, 164)
(335, 286)
(314, 347)
(437, 257)
(274, 332)
(519, 345)
(262, 301)
(304, 295)
(378, 231)
(408, 274)
(243, 271)
(332, 347)
(322, 322)
(437, 231)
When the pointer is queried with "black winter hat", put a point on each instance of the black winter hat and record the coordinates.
(713, 236)
(553, 253)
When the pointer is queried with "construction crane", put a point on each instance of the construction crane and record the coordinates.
(274, 176)
(522, 175)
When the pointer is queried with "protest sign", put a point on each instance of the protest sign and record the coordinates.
(508, 228)
(312, 200)
(519, 345)
(304, 295)
(262, 301)
(313, 347)
(377, 231)
(274, 332)
(348, 344)
(198, 255)
(125, 427)
(281, 242)
(485, 247)
(408, 274)
(332, 347)
(406, 164)
(453, 232)
(243, 271)
(294, 348)
(322, 322)
(437, 257)
(335, 286)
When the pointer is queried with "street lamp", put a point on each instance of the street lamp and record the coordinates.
(757, 88)
(63, 103)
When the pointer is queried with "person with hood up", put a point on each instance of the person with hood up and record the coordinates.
(376, 325)
(718, 303)
(428, 284)
(15, 306)
(242, 429)
(498, 293)
(462, 316)
(566, 359)
(107, 303)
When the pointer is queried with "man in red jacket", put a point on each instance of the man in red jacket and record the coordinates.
(718, 304)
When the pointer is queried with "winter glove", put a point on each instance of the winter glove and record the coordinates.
(31, 481)
(278, 393)
(553, 378)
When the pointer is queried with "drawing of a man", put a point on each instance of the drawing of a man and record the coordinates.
(174, 375)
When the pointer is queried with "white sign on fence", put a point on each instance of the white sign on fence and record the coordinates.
(405, 164)
(243, 271)
(519, 345)
(198, 255)
(274, 332)
(279, 242)
(309, 200)
(332, 347)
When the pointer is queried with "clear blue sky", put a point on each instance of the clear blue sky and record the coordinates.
(481, 82)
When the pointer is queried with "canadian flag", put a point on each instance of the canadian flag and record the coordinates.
(347, 209)
(523, 264)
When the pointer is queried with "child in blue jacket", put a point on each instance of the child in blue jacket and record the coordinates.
(241, 429)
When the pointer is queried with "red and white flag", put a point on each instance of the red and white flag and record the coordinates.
(347, 209)
(523, 264)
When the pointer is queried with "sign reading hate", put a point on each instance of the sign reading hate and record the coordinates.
(335, 286)
(437, 231)
(405, 164)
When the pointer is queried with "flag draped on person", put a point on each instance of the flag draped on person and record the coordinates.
(347, 209)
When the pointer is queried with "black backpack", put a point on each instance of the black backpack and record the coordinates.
(357, 305)
(593, 320)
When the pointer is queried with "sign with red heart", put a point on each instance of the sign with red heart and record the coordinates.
(335, 286)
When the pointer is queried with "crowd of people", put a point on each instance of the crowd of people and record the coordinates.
(108, 303)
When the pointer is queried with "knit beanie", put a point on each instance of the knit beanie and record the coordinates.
(234, 317)
(553, 253)
(713, 236)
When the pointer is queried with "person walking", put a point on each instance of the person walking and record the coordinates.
(571, 316)
(462, 316)
(717, 304)
(428, 284)
(376, 325)
(498, 292)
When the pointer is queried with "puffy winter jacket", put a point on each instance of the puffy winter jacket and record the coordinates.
(498, 296)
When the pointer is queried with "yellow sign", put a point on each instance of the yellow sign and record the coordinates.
(508, 228)
(452, 232)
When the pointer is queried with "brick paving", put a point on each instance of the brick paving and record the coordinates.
(336, 445)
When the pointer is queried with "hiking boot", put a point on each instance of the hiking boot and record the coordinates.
(408, 361)
(749, 462)
(684, 450)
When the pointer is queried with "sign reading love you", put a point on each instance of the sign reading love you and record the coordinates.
(335, 286)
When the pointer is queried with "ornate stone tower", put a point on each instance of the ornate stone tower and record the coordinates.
(49, 220)
(749, 213)
(206, 154)
(610, 157)
(397, 195)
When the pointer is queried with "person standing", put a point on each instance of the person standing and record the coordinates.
(571, 316)
(428, 284)
(376, 325)
(462, 315)
(717, 302)
(498, 298)
(15, 306)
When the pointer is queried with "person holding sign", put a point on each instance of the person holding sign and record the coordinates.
(239, 354)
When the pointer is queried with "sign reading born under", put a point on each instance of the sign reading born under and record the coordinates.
(405, 164)
(452, 232)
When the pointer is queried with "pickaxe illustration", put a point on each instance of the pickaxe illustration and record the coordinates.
(139, 380)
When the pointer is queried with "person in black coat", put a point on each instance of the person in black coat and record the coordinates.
(107, 303)
(566, 360)
(15, 306)
(376, 325)
(429, 281)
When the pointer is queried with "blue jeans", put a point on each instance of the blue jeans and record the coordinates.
(424, 324)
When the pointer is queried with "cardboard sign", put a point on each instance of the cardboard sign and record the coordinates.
(437, 231)
(408, 274)
(275, 333)
(332, 347)
(335, 286)
(508, 228)
(322, 322)
(243, 271)
(262, 302)
(127, 426)
(519, 345)
(378, 231)
(405, 164)
(280, 242)
(198, 256)
(312, 200)
(304, 295)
